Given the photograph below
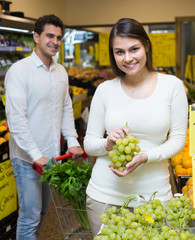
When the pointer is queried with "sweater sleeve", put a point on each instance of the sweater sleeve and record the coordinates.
(177, 134)
(94, 139)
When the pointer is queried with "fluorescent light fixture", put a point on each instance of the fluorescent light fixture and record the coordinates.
(15, 29)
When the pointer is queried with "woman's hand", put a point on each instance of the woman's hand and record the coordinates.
(131, 166)
(114, 135)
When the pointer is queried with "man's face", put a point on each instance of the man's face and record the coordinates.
(49, 41)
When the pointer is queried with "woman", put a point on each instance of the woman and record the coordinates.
(155, 107)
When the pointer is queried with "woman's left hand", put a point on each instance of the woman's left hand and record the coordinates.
(131, 166)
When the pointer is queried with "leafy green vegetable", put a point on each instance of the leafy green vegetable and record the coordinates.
(70, 180)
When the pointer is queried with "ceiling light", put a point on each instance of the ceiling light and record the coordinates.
(15, 29)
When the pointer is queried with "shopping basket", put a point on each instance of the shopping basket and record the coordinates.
(73, 220)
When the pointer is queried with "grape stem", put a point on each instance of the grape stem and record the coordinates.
(129, 129)
(152, 196)
(127, 201)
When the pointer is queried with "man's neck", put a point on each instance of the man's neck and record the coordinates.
(45, 59)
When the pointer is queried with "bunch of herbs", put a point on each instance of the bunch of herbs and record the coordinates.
(70, 180)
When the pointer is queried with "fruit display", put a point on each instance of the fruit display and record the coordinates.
(4, 136)
(182, 163)
(123, 151)
(180, 212)
(84, 74)
(18, 40)
(149, 221)
(187, 190)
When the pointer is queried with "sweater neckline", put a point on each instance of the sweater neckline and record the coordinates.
(140, 99)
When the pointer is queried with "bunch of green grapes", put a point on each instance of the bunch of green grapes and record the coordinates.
(150, 213)
(175, 234)
(139, 233)
(112, 232)
(117, 223)
(180, 212)
(123, 152)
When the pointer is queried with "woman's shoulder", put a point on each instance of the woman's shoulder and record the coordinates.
(169, 80)
(109, 83)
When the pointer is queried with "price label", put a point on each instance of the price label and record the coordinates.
(19, 49)
(96, 52)
(77, 53)
(91, 50)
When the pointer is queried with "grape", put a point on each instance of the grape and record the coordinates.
(123, 151)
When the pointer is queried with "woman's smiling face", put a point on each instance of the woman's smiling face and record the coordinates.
(129, 54)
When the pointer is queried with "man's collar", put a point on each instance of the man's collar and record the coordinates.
(39, 63)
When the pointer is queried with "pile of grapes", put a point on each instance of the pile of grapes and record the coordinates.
(146, 222)
(150, 212)
(123, 152)
(179, 212)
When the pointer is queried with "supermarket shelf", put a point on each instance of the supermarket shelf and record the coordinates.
(2, 73)
(15, 49)
(17, 22)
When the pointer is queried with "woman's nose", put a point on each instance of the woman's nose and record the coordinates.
(128, 57)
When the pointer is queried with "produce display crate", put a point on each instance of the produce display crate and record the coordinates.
(8, 227)
(4, 151)
(181, 182)
(73, 222)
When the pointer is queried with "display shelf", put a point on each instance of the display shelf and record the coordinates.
(15, 49)
(17, 22)
(2, 73)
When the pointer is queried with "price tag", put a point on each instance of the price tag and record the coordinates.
(91, 50)
(104, 59)
(96, 52)
(19, 49)
(77, 53)
(77, 107)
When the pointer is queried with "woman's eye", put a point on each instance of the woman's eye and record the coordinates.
(134, 49)
(119, 52)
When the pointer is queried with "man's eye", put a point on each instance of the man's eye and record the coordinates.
(50, 35)
(59, 38)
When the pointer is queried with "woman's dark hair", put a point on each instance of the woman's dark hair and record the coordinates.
(48, 19)
(127, 27)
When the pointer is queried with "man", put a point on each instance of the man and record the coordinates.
(38, 108)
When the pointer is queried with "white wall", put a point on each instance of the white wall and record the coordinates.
(99, 12)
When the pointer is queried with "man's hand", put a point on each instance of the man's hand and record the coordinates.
(42, 161)
(76, 152)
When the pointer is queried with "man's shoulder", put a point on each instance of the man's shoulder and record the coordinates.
(22, 63)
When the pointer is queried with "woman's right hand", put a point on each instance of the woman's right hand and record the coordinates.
(114, 135)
